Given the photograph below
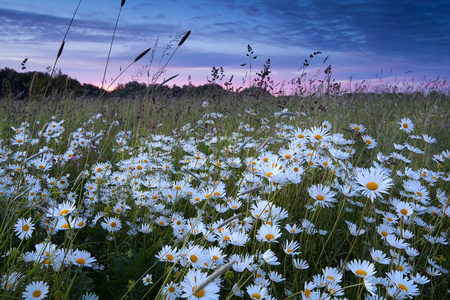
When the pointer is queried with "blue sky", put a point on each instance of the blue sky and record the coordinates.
(367, 40)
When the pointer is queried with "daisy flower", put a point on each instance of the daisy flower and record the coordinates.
(318, 134)
(268, 233)
(361, 269)
(308, 293)
(270, 258)
(171, 291)
(9, 281)
(168, 254)
(291, 247)
(216, 255)
(406, 125)
(370, 142)
(373, 182)
(404, 209)
(293, 229)
(419, 279)
(112, 224)
(379, 257)
(396, 242)
(257, 292)
(326, 125)
(35, 291)
(147, 279)
(300, 264)
(197, 256)
(276, 277)
(402, 286)
(332, 275)
(81, 258)
(192, 280)
(357, 127)
(90, 296)
(24, 228)
(323, 195)
(428, 139)
(62, 210)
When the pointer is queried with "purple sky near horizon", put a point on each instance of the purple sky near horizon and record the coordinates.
(379, 41)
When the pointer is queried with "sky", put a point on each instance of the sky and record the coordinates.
(381, 42)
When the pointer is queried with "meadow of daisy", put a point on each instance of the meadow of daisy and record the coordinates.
(315, 197)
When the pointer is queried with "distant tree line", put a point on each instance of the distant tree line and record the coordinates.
(16, 85)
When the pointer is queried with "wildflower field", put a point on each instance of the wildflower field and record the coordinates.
(315, 197)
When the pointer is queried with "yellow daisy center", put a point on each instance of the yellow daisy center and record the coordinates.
(25, 227)
(63, 212)
(319, 197)
(193, 258)
(317, 136)
(419, 193)
(36, 293)
(405, 125)
(300, 136)
(361, 273)
(269, 174)
(372, 186)
(357, 128)
(384, 233)
(172, 289)
(307, 293)
(402, 287)
(404, 211)
(368, 142)
(256, 296)
(169, 256)
(199, 294)
(287, 156)
(113, 224)
(269, 236)
(80, 261)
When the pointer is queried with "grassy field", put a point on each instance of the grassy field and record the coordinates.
(316, 197)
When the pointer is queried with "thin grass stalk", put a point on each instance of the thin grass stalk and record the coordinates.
(214, 275)
(77, 180)
(123, 71)
(112, 42)
(33, 86)
(38, 154)
(243, 144)
(183, 39)
(21, 194)
(167, 80)
(224, 223)
(110, 128)
(193, 175)
(255, 188)
(61, 48)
